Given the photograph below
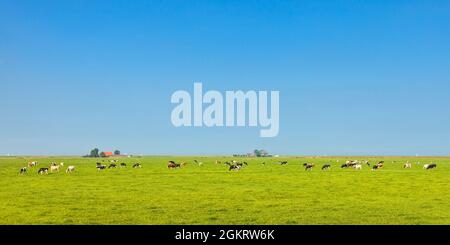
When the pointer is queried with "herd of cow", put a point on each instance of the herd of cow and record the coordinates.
(232, 165)
(54, 167)
(356, 164)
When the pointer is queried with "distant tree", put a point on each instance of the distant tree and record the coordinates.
(257, 153)
(263, 153)
(116, 152)
(94, 153)
(102, 154)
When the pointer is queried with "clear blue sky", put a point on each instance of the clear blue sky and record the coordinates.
(355, 77)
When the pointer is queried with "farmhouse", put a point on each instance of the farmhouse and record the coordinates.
(108, 154)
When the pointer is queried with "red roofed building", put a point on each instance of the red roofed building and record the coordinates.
(108, 154)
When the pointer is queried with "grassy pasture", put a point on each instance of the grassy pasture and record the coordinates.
(210, 194)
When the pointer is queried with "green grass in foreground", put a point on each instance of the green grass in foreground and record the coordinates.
(210, 194)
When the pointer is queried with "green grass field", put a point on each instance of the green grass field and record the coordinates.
(210, 194)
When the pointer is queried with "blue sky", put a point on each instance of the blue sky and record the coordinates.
(355, 77)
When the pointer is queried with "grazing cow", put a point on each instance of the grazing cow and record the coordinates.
(70, 169)
(197, 162)
(234, 167)
(172, 165)
(407, 165)
(326, 167)
(23, 170)
(375, 167)
(137, 165)
(283, 163)
(112, 165)
(54, 168)
(350, 163)
(380, 164)
(430, 166)
(308, 166)
(32, 164)
(101, 167)
(43, 171)
(123, 164)
(357, 166)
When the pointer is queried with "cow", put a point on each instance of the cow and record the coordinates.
(430, 166)
(326, 167)
(172, 165)
(380, 164)
(43, 171)
(137, 165)
(375, 167)
(101, 167)
(70, 169)
(308, 166)
(234, 167)
(123, 164)
(54, 168)
(196, 162)
(112, 165)
(357, 166)
(283, 162)
(32, 164)
(23, 170)
(344, 165)
(407, 165)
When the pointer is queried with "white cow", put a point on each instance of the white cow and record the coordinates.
(70, 169)
(54, 168)
(358, 166)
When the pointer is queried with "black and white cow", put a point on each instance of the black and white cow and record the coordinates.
(43, 171)
(429, 166)
(308, 166)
